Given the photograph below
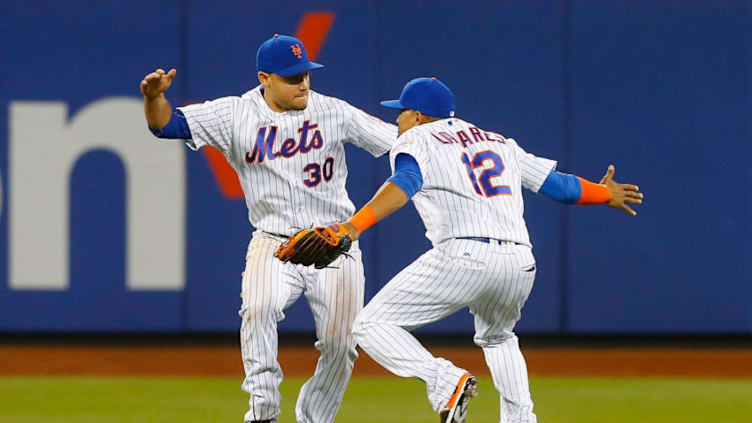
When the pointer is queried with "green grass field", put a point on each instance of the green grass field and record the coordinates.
(558, 400)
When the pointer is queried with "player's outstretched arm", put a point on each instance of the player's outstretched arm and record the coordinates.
(321, 245)
(156, 107)
(388, 199)
(571, 189)
(621, 194)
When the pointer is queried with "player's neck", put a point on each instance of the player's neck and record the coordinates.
(271, 103)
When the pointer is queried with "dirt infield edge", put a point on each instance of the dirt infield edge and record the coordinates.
(300, 361)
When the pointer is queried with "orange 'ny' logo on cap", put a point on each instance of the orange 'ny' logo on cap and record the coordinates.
(296, 50)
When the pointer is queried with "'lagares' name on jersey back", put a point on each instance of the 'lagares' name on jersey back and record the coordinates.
(472, 180)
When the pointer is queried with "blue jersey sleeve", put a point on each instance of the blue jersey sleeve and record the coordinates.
(562, 187)
(176, 128)
(407, 174)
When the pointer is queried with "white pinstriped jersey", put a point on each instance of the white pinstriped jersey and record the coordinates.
(471, 180)
(291, 165)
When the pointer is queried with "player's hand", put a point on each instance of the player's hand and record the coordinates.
(157, 82)
(621, 194)
(351, 230)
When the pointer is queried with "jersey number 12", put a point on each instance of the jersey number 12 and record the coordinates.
(478, 160)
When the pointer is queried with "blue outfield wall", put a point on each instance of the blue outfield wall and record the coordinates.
(150, 243)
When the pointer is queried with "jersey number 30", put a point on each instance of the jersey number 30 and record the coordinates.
(478, 160)
(315, 171)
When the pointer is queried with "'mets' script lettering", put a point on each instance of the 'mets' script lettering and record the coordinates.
(267, 135)
(461, 137)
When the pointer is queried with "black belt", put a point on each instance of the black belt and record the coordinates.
(489, 240)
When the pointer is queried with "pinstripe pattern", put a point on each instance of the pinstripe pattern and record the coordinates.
(335, 296)
(493, 279)
(509, 373)
(447, 202)
(278, 200)
(282, 197)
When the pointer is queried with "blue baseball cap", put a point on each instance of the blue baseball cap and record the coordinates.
(283, 55)
(426, 95)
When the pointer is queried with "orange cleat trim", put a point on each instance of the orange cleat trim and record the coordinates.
(458, 391)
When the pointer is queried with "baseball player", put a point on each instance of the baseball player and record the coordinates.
(466, 185)
(286, 143)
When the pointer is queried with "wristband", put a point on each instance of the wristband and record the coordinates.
(364, 219)
(593, 193)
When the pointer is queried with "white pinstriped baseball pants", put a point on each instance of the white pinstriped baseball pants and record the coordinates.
(335, 296)
(493, 280)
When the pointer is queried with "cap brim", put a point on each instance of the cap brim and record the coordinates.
(299, 68)
(394, 104)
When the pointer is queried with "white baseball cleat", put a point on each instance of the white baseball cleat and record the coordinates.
(456, 408)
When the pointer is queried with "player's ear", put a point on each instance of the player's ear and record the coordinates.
(263, 78)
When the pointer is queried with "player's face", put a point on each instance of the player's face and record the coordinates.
(286, 92)
(407, 119)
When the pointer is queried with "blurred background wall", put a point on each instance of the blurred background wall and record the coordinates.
(105, 229)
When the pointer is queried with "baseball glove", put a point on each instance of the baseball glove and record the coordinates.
(319, 246)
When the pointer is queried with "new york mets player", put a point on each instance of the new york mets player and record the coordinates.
(286, 143)
(466, 185)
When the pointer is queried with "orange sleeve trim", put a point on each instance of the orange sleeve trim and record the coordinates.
(364, 219)
(593, 193)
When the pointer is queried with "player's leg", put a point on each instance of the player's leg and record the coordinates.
(335, 296)
(509, 373)
(436, 285)
(269, 286)
(495, 317)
